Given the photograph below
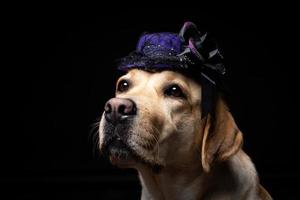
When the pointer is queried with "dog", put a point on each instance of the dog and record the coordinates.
(169, 121)
(155, 125)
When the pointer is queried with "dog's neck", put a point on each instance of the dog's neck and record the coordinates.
(169, 183)
(191, 182)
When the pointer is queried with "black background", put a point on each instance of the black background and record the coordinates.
(61, 71)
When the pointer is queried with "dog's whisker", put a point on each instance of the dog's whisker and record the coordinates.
(156, 142)
(94, 136)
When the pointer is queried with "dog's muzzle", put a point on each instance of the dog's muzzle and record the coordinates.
(119, 114)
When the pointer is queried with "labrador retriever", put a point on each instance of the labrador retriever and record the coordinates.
(154, 124)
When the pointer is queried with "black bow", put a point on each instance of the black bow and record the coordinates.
(201, 50)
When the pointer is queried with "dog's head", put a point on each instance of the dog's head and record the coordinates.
(155, 119)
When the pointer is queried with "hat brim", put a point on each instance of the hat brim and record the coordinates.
(136, 60)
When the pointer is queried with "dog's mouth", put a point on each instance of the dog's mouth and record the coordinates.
(120, 149)
(119, 153)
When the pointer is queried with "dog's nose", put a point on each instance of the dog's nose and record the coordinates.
(118, 109)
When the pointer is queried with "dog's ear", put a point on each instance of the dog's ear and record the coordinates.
(221, 136)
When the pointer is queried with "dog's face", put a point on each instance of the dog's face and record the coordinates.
(155, 119)
(164, 122)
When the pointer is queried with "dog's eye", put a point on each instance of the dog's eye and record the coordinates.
(123, 86)
(174, 91)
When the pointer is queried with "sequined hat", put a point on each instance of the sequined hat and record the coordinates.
(188, 49)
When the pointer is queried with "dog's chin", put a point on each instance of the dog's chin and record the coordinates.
(120, 155)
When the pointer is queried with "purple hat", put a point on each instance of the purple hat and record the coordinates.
(185, 50)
